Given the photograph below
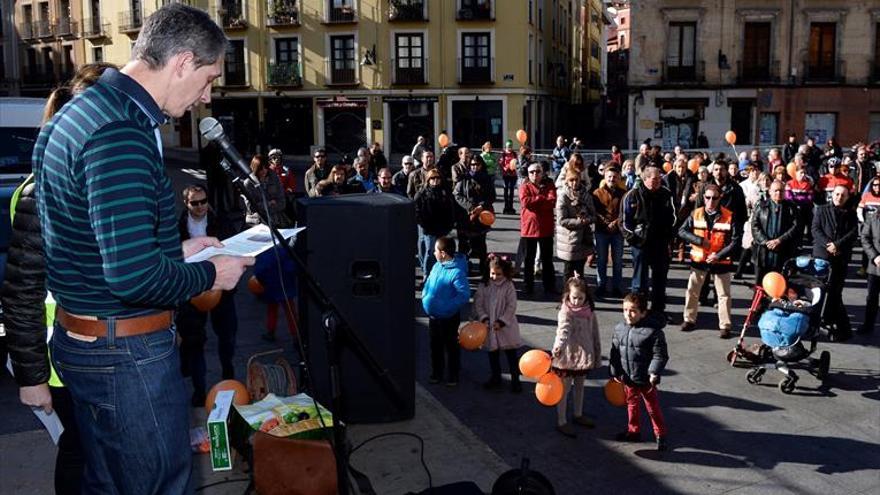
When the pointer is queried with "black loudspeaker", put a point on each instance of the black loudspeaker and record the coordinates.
(360, 248)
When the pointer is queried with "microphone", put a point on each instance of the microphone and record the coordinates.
(211, 130)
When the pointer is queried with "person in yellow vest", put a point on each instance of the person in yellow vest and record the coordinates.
(714, 237)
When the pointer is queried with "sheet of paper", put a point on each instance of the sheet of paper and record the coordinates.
(251, 242)
(50, 421)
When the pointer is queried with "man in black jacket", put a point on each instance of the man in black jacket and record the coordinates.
(776, 232)
(199, 220)
(647, 219)
(790, 149)
(835, 229)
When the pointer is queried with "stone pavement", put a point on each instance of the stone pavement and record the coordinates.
(727, 436)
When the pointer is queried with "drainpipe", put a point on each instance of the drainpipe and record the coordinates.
(790, 40)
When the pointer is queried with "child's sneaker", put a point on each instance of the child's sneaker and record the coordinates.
(627, 436)
(662, 444)
(567, 430)
(584, 421)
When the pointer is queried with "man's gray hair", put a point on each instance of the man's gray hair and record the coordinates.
(177, 28)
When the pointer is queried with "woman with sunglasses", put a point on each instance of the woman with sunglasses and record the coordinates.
(869, 205)
(475, 193)
(537, 195)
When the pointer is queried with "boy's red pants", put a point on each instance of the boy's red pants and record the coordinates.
(649, 394)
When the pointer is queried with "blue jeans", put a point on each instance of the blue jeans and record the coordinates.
(653, 257)
(603, 242)
(426, 251)
(131, 408)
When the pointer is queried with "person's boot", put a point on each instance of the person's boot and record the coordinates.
(513, 366)
(494, 382)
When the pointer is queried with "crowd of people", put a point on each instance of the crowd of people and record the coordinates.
(96, 225)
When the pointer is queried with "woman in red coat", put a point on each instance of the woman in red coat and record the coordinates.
(537, 196)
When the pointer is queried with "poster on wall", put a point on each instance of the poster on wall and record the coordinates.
(820, 126)
(769, 132)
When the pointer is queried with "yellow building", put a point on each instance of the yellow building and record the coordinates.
(342, 73)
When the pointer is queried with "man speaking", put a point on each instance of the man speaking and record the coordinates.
(114, 256)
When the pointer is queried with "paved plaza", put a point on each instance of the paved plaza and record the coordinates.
(726, 436)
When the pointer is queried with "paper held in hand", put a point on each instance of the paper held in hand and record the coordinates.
(251, 242)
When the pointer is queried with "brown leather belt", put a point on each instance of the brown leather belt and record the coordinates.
(125, 327)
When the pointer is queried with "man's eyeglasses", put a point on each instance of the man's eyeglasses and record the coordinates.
(320, 156)
(199, 202)
(711, 198)
(534, 171)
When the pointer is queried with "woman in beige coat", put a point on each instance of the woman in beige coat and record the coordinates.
(576, 350)
(575, 216)
(495, 305)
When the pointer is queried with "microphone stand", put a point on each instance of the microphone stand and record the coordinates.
(338, 334)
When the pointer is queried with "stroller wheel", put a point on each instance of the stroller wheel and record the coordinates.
(786, 386)
(755, 375)
(823, 365)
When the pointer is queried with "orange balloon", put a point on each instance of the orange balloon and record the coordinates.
(774, 284)
(487, 218)
(549, 389)
(522, 136)
(443, 140)
(614, 393)
(667, 167)
(693, 165)
(241, 396)
(206, 301)
(791, 170)
(534, 363)
(472, 335)
(730, 137)
(255, 286)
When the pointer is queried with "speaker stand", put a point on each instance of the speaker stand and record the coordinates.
(338, 336)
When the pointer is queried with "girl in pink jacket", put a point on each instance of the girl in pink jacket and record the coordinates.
(576, 350)
(495, 305)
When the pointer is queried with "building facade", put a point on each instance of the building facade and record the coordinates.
(762, 68)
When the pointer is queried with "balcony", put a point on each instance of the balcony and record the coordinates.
(283, 13)
(341, 15)
(476, 11)
(66, 27)
(43, 29)
(95, 28)
(26, 30)
(409, 75)
(752, 73)
(684, 74)
(232, 16)
(337, 74)
(130, 21)
(402, 10)
(284, 75)
(833, 73)
(478, 71)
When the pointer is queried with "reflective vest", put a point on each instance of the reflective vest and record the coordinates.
(717, 235)
(50, 305)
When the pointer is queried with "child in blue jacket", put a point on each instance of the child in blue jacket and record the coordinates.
(443, 296)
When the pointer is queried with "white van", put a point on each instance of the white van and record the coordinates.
(20, 120)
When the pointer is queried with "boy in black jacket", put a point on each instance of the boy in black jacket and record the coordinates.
(638, 357)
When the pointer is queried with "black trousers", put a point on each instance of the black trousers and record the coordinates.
(512, 364)
(70, 461)
(443, 333)
(835, 311)
(474, 246)
(871, 303)
(547, 271)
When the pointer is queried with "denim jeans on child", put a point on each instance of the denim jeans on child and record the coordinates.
(426, 251)
(131, 408)
(603, 242)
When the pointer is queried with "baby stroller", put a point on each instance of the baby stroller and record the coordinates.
(791, 325)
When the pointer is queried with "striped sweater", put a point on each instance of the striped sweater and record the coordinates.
(107, 207)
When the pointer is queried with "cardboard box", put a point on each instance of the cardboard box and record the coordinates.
(218, 431)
